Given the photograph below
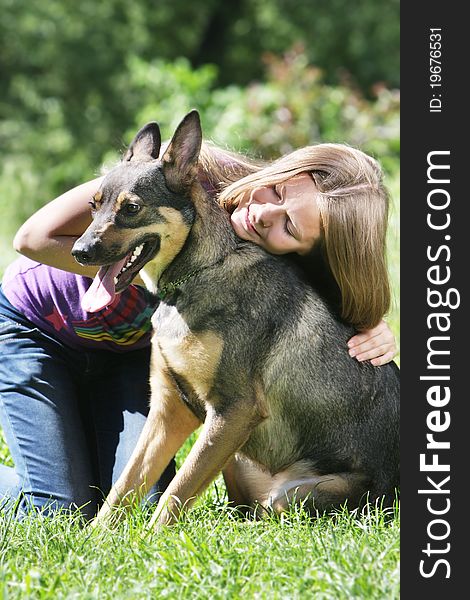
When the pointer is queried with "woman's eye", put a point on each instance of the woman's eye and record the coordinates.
(286, 228)
(276, 191)
(132, 209)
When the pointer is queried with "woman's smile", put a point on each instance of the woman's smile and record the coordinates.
(249, 227)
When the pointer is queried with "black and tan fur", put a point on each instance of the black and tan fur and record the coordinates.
(242, 346)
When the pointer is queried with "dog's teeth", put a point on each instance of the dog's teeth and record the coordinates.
(134, 256)
(116, 280)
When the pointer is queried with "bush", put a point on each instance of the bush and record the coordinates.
(292, 107)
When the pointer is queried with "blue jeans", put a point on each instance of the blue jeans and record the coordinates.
(70, 418)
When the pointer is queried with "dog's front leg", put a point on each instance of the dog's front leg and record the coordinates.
(168, 425)
(222, 435)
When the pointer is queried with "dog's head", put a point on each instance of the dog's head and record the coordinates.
(142, 211)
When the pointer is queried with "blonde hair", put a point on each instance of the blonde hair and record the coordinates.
(353, 204)
(219, 168)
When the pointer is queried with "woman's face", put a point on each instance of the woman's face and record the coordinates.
(281, 219)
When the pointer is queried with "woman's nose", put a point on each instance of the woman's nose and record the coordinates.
(267, 214)
(261, 195)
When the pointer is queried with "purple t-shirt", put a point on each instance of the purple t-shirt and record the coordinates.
(50, 298)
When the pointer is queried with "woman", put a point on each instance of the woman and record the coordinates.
(74, 385)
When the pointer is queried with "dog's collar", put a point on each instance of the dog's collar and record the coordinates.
(170, 287)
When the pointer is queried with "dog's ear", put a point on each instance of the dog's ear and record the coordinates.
(146, 144)
(181, 156)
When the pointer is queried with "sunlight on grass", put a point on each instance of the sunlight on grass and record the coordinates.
(211, 554)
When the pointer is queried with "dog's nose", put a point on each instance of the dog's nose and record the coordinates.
(83, 255)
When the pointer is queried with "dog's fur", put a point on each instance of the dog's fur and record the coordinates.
(243, 346)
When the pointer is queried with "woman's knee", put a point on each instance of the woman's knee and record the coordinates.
(26, 496)
(30, 501)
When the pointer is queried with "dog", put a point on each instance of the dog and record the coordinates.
(242, 345)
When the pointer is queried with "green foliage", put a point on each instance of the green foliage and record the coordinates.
(51, 151)
(294, 107)
(357, 40)
(78, 78)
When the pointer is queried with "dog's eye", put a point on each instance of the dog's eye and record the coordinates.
(132, 208)
(92, 203)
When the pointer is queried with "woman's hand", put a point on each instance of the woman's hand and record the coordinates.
(377, 345)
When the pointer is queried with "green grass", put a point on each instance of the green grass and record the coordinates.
(211, 554)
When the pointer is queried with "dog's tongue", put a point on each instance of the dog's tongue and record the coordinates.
(102, 291)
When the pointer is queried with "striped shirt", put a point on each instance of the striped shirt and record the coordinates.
(50, 299)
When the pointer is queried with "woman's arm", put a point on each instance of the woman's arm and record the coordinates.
(49, 234)
(377, 345)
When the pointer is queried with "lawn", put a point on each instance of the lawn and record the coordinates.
(211, 554)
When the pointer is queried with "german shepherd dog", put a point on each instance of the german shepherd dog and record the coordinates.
(241, 345)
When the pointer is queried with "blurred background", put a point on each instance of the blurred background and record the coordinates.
(77, 79)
